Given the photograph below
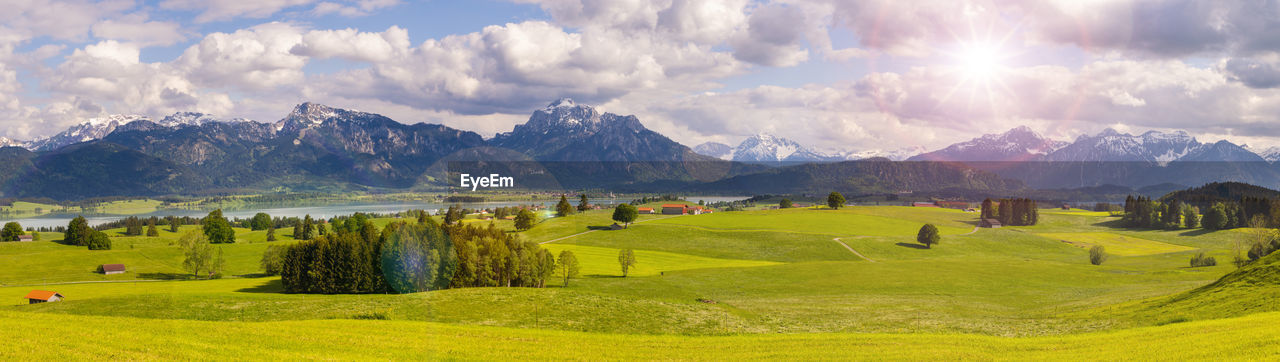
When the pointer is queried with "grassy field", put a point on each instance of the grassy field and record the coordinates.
(723, 281)
(80, 337)
(1117, 244)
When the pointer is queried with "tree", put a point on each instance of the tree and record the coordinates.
(784, 204)
(1097, 255)
(260, 221)
(567, 266)
(98, 240)
(198, 253)
(271, 234)
(583, 205)
(835, 200)
(151, 230)
(216, 228)
(1215, 218)
(563, 208)
(1190, 216)
(308, 228)
(12, 230)
(928, 235)
(626, 259)
(525, 219)
(989, 209)
(174, 223)
(273, 259)
(78, 232)
(625, 214)
(423, 217)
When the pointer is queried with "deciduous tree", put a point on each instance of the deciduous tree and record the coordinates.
(928, 235)
(835, 200)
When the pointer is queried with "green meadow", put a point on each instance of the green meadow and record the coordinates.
(753, 284)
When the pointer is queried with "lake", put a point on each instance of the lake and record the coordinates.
(325, 211)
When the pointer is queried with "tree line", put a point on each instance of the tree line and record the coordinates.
(1012, 212)
(357, 257)
(1141, 212)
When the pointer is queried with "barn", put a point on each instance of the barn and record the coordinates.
(990, 223)
(109, 269)
(43, 296)
(645, 210)
(673, 209)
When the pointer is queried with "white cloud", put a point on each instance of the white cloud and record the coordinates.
(255, 59)
(220, 10)
(353, 8)
(352, 44)
(136, 29)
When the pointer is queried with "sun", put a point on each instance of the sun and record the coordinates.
(978, 64)
(980, 61)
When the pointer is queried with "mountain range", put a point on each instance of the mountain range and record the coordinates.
(566, 145)
(763, 148)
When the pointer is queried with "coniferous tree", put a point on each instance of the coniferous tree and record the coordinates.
(151, 230)
(174, 223)
(271, 234)
(308, 228)
(563, 208)
(78, 232)
(988, 209)
(583, 205)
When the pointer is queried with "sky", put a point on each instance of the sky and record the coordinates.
(837, 75)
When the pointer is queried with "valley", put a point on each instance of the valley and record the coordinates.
(725, 280)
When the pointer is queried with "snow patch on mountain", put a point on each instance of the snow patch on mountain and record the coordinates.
(715, 149)
(767, 148)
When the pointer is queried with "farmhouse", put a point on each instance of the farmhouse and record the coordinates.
(109, 269)
(42, 296)
(674, 209)
(990, 223)
(645, 210)
(25, 238)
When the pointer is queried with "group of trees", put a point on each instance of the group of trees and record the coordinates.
(1141, 212)
(80, 234)
(12, 230)
(1012, 212)
(404, 258)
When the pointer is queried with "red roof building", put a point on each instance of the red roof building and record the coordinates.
(674, 209)
(42, 296)
(109, 269)
(645, 210)
(924, 204)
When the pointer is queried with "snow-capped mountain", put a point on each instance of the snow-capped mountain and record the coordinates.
(7, 142)
(1271, 154)
(715, 149)
(766, 148)
(181, 119)
(1110, 145)
(567, 131)
(898, 155)
(98, 128)
(1018, 144)
(94, 128)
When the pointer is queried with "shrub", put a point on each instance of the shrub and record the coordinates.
(1200, 260)
(1097, 255)
(273, 259)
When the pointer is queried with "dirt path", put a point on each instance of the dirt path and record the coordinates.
(975, 229)
(592, 231)
(855, 252)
